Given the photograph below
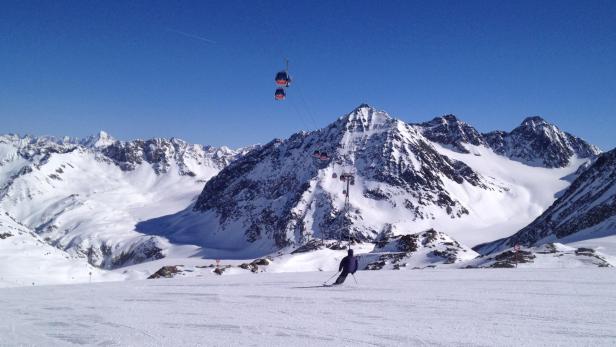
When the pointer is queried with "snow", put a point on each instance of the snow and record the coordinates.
(84, 203)
(102, 139)
(525, 193)
(600, 237)
(25, 259)
(81, 199)
(387, 308)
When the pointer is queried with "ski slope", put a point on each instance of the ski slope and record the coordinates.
(387, 308)
(26, 259)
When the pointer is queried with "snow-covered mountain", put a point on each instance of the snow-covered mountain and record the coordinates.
(537, 142)
(441, 174)
(450, 131)
(84, 196)
(586, 211)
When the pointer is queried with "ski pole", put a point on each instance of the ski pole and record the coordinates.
(331, 277)
(355, 279)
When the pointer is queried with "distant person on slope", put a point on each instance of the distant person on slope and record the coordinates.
(348, 265)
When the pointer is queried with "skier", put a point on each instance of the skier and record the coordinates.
(348, 265)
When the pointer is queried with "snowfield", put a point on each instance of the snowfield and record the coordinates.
(571, 307)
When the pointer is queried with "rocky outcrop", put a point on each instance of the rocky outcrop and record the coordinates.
(412, 251)
(169, 271)
(452, 132)
(549, 255)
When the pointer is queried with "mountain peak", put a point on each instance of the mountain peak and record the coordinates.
(534, 121)
(365, 117)
(450, 131)
(364, 105)
(450, 118)
(102, 139)
(537, 142)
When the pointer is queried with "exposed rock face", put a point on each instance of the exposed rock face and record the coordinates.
(550, 255)
(146, 250)
(449, 130)
(509, 259)
(587, 209)
(279, 194)
(166, 272)
(161, 153)
(539, 143)
(426, 249)
(535, 142)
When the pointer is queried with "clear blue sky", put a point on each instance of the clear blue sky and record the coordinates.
(203, 70)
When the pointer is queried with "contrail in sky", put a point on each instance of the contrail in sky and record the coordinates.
(191, 36)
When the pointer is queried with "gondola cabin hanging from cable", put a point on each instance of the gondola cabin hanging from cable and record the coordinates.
(283, 80)
(280, 94)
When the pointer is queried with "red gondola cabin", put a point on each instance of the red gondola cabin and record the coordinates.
(280, 94)
(283, 79)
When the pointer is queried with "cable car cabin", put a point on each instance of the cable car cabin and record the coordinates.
(283, 79)
(280, 94)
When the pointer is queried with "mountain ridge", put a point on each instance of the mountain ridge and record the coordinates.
(278, 196)
(269, 197)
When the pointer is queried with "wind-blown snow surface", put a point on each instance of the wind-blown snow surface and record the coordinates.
(387, 308)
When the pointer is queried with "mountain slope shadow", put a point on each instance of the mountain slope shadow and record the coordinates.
(188, 227)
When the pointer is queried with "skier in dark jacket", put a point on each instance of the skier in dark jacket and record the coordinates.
(348, 265)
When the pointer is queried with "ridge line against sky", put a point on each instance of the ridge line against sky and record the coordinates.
(203, 71)
(107, 133)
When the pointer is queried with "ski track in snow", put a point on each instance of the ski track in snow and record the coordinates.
(404, 308)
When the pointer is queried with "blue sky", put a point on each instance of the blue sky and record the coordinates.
(203, 70)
